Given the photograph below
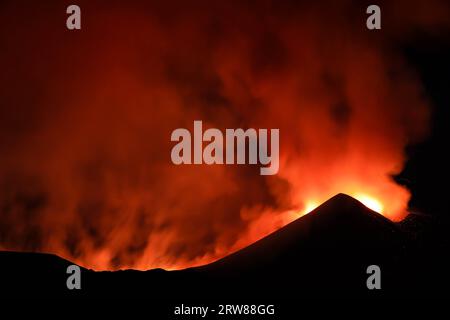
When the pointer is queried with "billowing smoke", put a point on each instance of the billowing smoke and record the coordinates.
(86, 118)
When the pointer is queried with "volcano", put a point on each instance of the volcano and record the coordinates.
(324, 253)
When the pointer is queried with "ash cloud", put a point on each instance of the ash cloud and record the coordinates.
(86, 117)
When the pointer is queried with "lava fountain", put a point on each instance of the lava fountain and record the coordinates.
(86, 119)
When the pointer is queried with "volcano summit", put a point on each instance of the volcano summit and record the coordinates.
(324, 253)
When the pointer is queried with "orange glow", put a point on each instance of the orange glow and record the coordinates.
(386, 198)
(370, 202)
(310, 206)
(86, 118)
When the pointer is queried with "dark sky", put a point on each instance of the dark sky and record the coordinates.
(427, 171)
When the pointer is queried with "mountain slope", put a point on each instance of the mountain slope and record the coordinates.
(341, 224)
(322, 254)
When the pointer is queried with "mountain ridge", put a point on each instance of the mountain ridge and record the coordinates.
(323, 253)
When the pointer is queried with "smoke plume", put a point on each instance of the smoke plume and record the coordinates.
(86, 118)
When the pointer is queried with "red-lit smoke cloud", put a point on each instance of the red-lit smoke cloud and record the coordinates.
(86, 118)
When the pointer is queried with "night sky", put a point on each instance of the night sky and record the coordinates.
(86, 118)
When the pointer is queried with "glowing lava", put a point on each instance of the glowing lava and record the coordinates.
(370, 202)
(85, 171)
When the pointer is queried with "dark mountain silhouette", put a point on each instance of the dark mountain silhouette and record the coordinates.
(323, 254)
